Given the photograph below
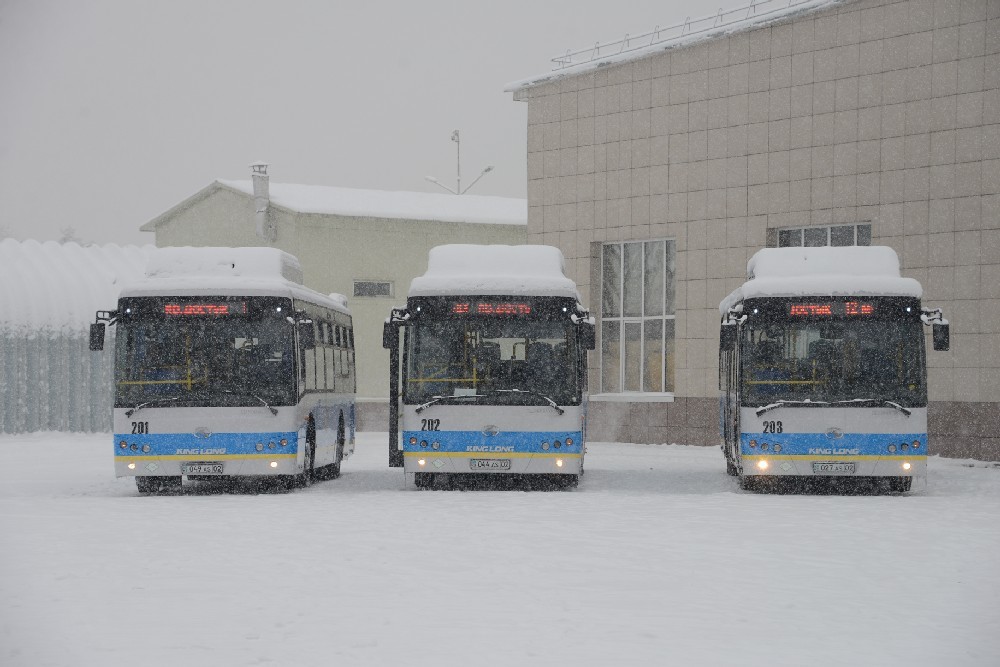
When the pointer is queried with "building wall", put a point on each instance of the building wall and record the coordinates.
(875, 111)
(334, 252)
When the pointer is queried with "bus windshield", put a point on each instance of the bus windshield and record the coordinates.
(834, 360)
(233, 361)
(492, 358)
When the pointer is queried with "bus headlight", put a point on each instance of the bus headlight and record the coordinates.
(131, 466)
(421, 462)
(559, 463)
(906, 465)
(762, 464)
(274, 464)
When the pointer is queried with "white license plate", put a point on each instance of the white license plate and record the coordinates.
(489, 464)
(833, 468)
(203, 468)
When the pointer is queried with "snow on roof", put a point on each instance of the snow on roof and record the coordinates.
(841, 271)
(753, 15)
(525, 270)
(227, 272)
(59, 287)
(387, 204)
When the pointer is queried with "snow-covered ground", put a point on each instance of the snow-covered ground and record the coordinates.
(656, 559)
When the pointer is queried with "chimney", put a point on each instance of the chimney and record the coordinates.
(261, 201)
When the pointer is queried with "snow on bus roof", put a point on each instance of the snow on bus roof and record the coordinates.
(524, 270)
(826, 271)
(227, 272)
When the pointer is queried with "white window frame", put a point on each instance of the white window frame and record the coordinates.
(622, 320)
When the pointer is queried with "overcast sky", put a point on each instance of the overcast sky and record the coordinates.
(113, 111)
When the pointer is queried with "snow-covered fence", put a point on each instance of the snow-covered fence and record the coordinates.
(49, 378)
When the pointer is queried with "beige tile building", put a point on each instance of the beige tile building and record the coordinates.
(365, 244)
(841, 122)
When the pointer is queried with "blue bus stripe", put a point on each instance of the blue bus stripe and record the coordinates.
(476, 442)
(165, 444)
(860, 444)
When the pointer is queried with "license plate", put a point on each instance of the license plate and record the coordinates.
(201, 468)
(489, 464)
(833, 468)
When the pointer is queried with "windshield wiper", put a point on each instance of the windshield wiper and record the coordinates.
(778, 404)
(877, 401)
(438, 399)
(552, 403)
(274, 411)
(140, 406)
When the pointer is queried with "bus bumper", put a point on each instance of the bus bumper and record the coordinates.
(570, 463)
(834, 466)
(157, 466)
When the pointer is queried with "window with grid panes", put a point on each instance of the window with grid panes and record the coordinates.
(813, 237)
(637, 316)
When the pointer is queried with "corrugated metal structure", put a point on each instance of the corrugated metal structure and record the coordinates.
(49, 379)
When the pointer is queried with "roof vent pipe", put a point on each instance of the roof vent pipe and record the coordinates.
(261, 201)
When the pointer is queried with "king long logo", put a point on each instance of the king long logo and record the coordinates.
(834, 433)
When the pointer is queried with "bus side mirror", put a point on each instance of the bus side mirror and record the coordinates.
(727, 337)
(942, 337)
(97, 337)
(390, 335)
(588, 337)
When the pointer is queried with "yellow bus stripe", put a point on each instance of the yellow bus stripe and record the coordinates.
(204, 457)
(833, 457)
(491, 455)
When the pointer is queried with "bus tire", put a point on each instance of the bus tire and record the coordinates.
(568, 481)
(423, 480)
(900, 484)
(156, 484)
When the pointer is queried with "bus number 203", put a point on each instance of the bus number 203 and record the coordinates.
(772, 427)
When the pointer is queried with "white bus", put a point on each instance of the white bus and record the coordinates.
(822, 368)
(493, 367)
(226, 366)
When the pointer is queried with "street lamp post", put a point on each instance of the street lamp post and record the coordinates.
(458, 170)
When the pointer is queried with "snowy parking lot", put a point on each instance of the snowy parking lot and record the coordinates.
(657, 558)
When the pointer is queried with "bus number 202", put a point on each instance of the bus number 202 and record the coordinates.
(772, 427)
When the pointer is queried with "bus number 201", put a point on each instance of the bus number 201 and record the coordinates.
(430, 424)
(140, 428)
(772, 427)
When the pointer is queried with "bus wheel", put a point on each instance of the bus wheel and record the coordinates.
(900, 484)
(147, 484)
(568, 481)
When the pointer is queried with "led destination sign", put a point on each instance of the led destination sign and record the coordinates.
(182, 309)
(831, 309)
(486, 308)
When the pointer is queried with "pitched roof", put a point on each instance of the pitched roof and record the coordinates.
(358, 203)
